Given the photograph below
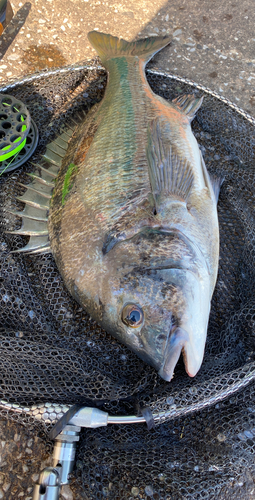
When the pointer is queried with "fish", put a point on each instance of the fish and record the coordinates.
(133, 223)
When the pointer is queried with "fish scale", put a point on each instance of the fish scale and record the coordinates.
(123, 172)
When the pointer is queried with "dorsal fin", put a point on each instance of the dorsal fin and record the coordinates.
(188, 104)
(108, 46)
(38, 195)
(169, 174)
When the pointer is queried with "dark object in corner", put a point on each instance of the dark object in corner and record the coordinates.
(6, 14)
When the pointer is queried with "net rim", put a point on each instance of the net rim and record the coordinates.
(91, 65)
(50, 413)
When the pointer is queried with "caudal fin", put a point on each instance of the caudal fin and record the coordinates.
(108, 46)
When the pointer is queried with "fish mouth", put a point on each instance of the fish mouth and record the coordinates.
(179, 342)
(175, 345)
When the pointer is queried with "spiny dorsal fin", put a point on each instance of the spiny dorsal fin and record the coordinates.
(108, 46)
(38, 195)
(188, 104)
(169, 174)
(36, 244)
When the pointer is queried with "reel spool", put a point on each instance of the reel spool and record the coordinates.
(18, 133)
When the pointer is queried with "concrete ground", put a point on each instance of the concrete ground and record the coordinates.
(212, 43)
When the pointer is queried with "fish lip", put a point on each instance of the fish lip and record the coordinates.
(176, 342)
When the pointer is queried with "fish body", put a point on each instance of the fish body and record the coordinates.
(133, 221)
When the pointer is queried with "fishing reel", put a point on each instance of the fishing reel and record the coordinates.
(18, 133)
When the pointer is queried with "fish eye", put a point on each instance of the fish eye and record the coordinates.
(132, 315)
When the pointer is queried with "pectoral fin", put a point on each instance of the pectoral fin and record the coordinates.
(169, 173)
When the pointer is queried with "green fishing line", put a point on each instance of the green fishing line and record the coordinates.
(8, 164)
(66, 187)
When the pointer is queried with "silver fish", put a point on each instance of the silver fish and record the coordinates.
(133, 221)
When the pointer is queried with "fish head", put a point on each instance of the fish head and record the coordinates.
(159, 300)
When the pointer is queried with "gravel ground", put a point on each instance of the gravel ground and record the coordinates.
(212, 43)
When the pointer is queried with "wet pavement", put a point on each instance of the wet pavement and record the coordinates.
(212, 43)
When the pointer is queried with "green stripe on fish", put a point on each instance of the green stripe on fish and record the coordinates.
(67, 186)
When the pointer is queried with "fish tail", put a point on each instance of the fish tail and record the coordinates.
(108, 46)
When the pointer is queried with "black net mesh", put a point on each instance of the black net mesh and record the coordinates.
(206, 455)
(53, 352)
